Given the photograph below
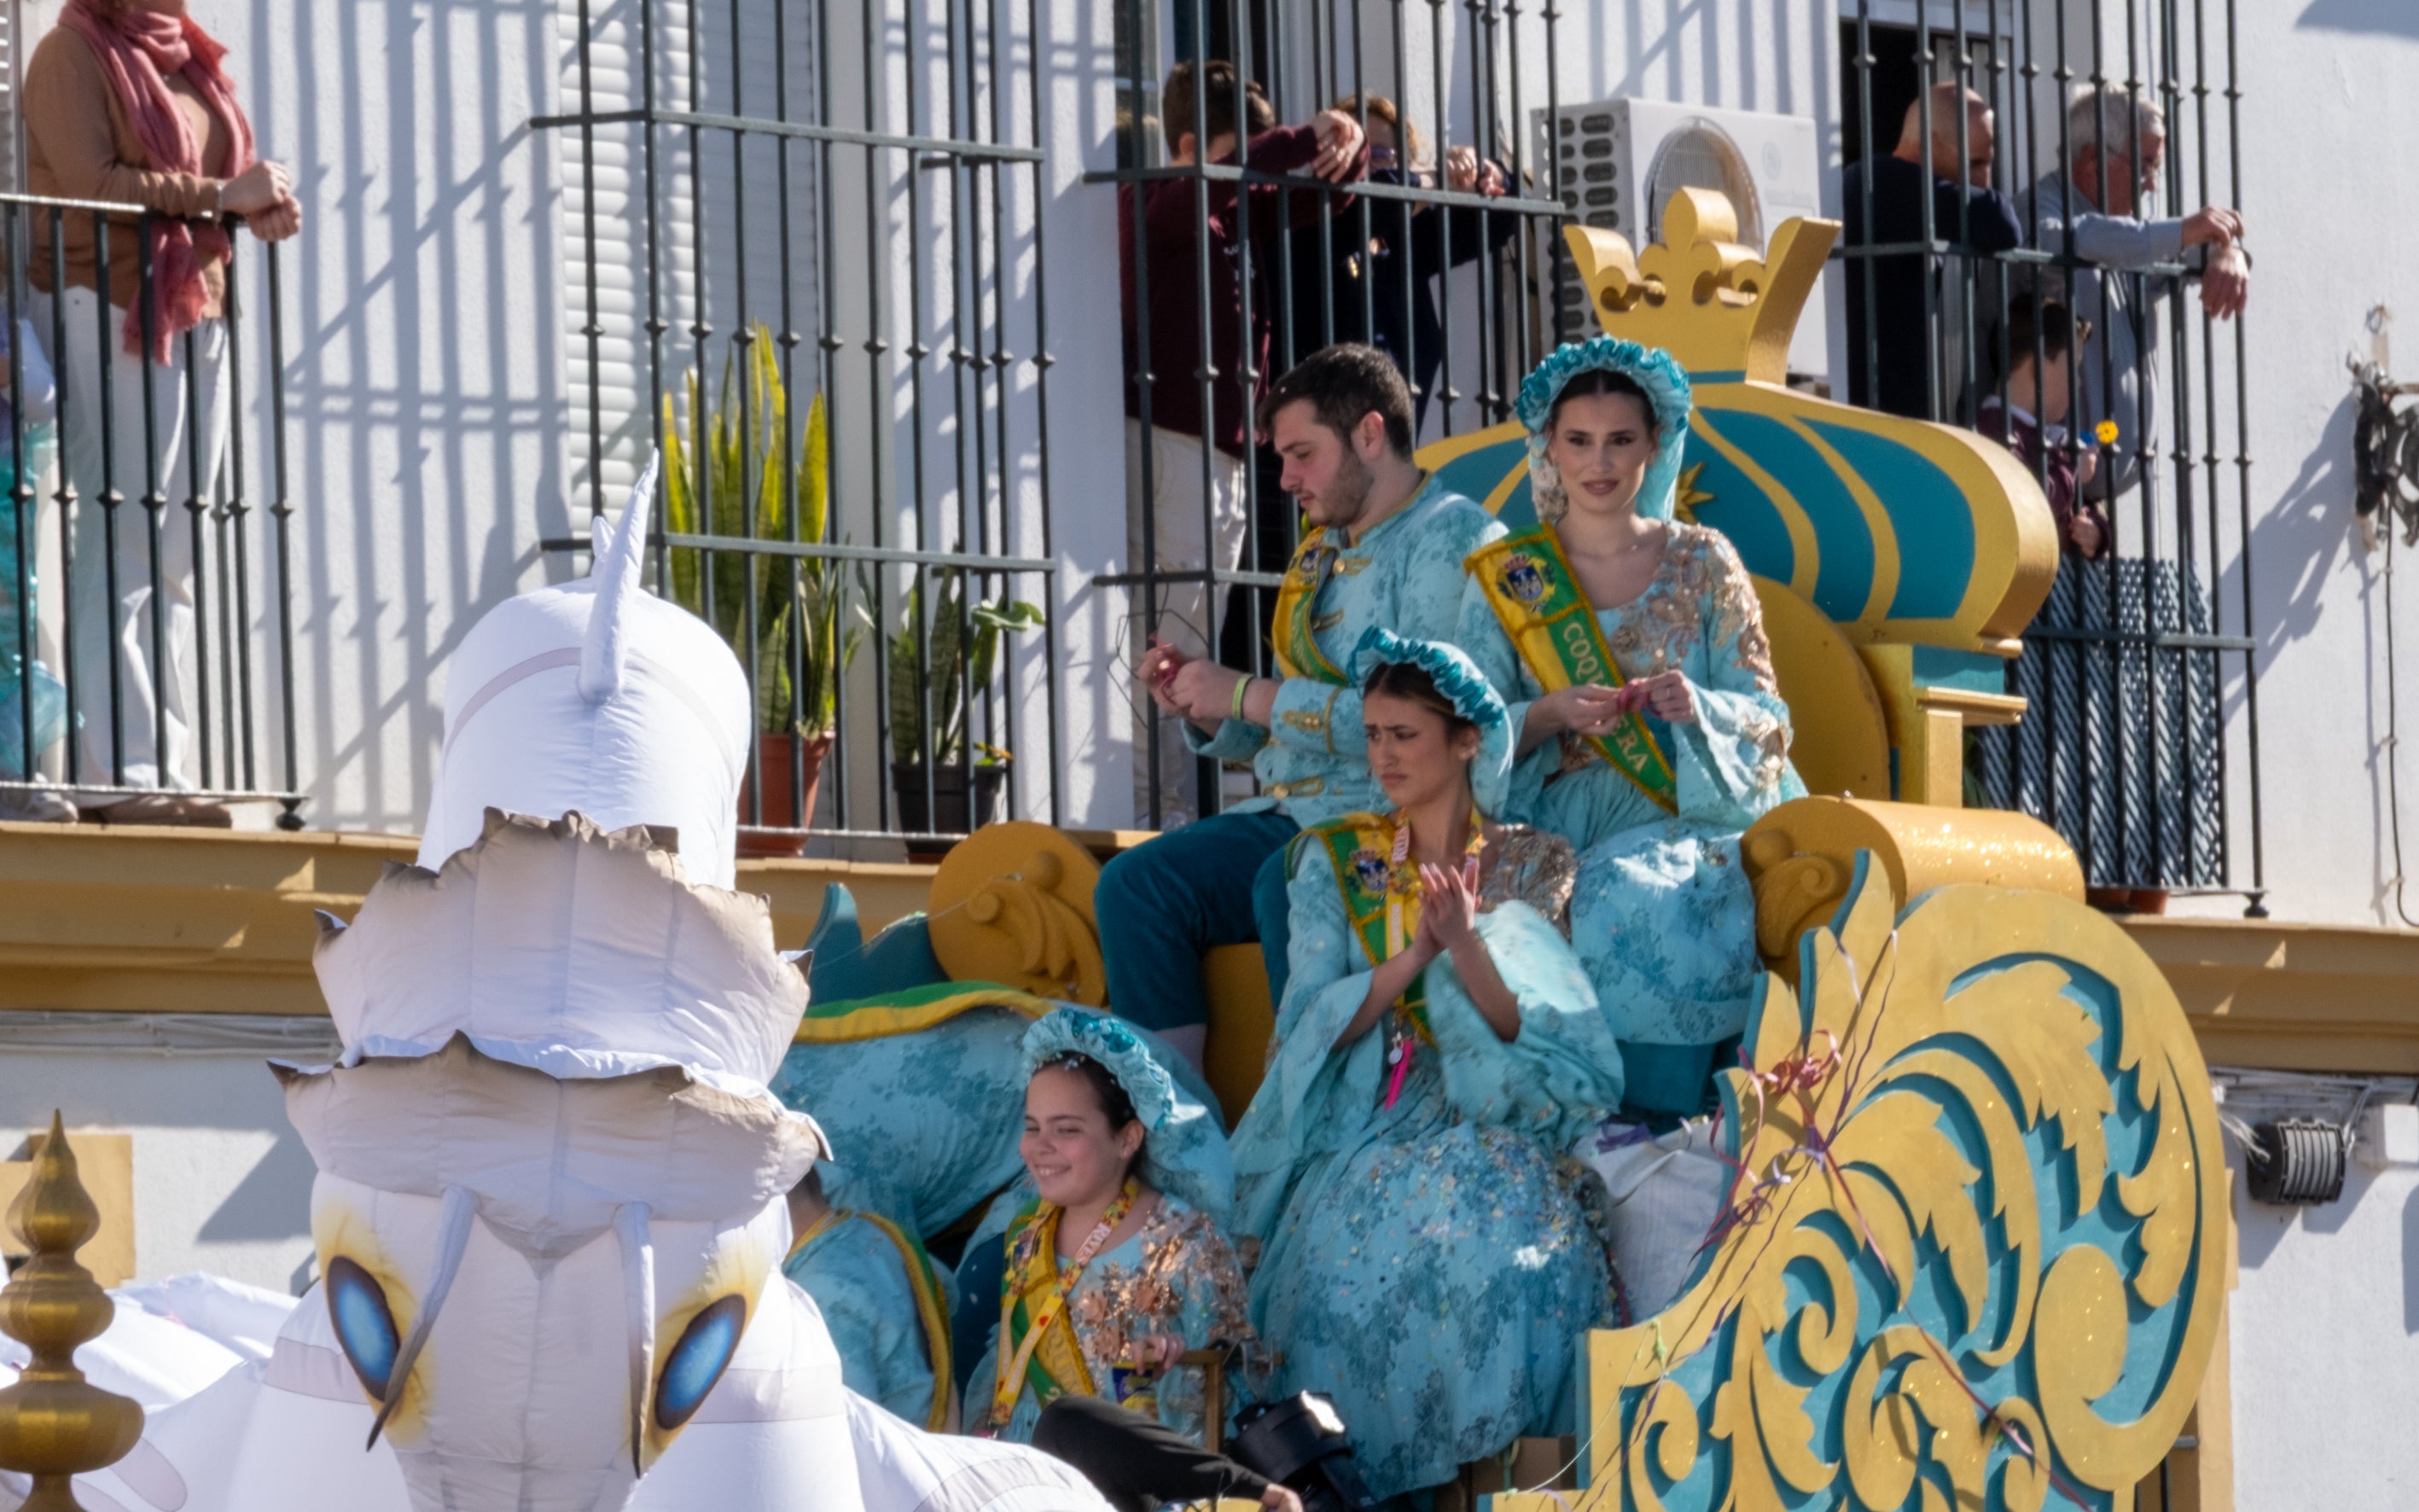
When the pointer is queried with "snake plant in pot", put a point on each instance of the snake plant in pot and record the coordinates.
(741, 470)
(945, 782)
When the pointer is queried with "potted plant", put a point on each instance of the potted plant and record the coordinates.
(938, 789)
(737, 473)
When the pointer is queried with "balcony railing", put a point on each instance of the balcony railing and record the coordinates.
(146, 607)
(816, 285)
(807, 250)
(2140, 744)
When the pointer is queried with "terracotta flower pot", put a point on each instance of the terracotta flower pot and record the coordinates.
(784, 824)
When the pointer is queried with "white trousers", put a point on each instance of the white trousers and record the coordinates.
(150, 738)
(1178, 527)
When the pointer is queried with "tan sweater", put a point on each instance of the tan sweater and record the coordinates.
(81, 145)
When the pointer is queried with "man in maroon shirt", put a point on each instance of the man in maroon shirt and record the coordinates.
(1187, 452)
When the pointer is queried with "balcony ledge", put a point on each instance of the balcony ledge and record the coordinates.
(135, 919)
(153, 920)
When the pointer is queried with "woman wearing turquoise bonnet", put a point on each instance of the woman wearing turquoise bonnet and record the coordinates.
(1425, 1259)
(1652, 730)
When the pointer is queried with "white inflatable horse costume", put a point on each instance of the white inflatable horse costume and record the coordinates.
(549, 1211)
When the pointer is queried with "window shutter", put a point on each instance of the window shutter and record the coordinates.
(630, 371)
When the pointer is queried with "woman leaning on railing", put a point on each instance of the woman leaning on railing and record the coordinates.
(128, 101)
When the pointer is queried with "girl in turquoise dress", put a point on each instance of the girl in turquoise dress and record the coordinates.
(1116, 1262)
(884, 1301)
(1653, 732)
(1426, 1260)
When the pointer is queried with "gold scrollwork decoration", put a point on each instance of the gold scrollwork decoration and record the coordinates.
(1974, 1256)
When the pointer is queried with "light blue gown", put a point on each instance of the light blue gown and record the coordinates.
(1430, 1265)
(1174, 1275)
(1662, 916)
(860, 1283)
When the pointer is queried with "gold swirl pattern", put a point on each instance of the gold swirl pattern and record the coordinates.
(1975, 1253)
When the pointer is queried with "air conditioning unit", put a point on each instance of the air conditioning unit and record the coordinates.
(1621, 160)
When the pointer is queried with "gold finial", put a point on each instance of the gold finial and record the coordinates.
(1697, 293)
(54, 1424)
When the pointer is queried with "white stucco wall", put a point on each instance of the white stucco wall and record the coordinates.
(2325, 1334)
(425, 372)
(2334, 222)
(222, 1181)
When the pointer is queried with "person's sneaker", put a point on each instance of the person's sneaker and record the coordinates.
(35, 806)
(161, 808)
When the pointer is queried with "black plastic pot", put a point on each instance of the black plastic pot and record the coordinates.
(951, 808)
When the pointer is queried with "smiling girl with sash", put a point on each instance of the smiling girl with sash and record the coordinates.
(1426, 1259)
(1638, 642)
(1116, 1265)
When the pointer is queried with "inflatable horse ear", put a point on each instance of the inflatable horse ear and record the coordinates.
(599, 697)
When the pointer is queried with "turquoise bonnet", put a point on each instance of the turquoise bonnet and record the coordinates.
(1184, 1151)
(1667, 388)
(1471, 696)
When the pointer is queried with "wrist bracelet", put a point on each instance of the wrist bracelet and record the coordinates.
(1242, 686)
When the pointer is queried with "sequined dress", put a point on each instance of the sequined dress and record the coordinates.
(1662, 915)
(1430, 1265)
(1175, 1276)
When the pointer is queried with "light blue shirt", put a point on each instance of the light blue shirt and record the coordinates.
(1405, 574)
(2117, 369)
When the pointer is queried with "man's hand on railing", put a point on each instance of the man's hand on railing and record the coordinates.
(2226, 284)
(264, 186)
(2213, 225)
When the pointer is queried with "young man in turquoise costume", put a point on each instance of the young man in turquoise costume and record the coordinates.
(1383, 548)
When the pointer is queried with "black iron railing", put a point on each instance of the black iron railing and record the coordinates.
(824, 292)
(2137, 664)
(146, 528)
(1448, 277)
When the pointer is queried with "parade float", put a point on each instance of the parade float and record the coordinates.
(1973, 1242)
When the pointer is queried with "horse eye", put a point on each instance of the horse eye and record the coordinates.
(693, 1366)
(364, 1324)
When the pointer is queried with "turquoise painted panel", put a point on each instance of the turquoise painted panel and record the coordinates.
(1844, 576)
(1477, 474)
(1928, 513)
(1742, 511)
(1520, 509)
(1967, 671)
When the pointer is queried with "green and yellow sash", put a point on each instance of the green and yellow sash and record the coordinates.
(1538, 599)
(1362, 845)
(1296, 647)
(1380, 897)
(931, 1310)
(1048, 1358)
(923, 1281)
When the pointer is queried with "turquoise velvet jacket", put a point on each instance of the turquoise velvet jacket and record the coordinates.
(1405, 574)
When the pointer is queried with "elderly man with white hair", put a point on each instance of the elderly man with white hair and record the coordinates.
(2115, 143)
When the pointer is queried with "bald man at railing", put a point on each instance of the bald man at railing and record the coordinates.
(1882, 201)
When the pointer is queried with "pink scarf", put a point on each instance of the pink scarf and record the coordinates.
(137, 49)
